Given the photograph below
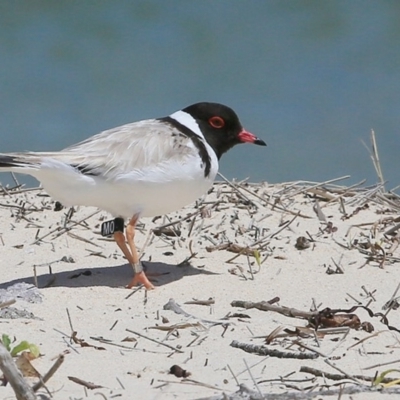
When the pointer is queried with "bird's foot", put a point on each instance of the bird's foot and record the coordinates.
(140, 278)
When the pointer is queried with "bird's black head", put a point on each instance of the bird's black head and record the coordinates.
(220, 126)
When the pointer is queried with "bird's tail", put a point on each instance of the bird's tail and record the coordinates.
(18, 162)
(8, 161)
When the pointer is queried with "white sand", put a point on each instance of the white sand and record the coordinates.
(98, 306)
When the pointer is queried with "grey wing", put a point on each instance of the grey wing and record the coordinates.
(132, 147)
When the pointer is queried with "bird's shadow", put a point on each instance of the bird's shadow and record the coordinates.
(115, 276)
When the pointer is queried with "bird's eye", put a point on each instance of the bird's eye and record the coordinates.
(216, 122)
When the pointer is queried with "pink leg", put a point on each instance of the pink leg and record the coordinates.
(132, 254)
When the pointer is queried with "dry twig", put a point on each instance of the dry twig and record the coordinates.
(21, 388)
(265, 351)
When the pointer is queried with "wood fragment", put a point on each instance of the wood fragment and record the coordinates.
(252, 378)
(7, 303)
(65, 229)
(156, 341)
(318, 211)
(184, 218)
(82, 239)
(352, 377)
(375, 157)
(87, 385)
(319, 184)
(21, 388)
(303, 332)
(192, 382)
(323, 194)
(339, 377)
(49, 373)
(82, 342)
(265, 351)
(265, 200)
(208, 302)
(182, 325)
(284, 226)
(392, 230)
(110, 343)
(167, 231)
(266, 306)
(382, 364)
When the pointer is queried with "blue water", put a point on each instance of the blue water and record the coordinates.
(312, 78)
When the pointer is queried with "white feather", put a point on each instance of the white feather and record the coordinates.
(186, 119)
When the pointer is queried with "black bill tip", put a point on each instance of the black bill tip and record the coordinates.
(259, 142)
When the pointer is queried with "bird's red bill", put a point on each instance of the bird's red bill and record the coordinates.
(247, 137)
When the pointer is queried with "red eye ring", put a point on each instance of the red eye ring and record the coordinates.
(216, 122)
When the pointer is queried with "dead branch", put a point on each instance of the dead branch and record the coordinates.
(156, 341)
(274, 205)
(21, 388)
(339, 377)
(7, 303)
(82, 342)
(245, 393)
(88, 385)
(49, 373)
(265, 351)
(182, 325)
(266, 306)
(208, 302)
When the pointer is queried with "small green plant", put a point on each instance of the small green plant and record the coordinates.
(257, 256)
(22, 346)
(379, 378)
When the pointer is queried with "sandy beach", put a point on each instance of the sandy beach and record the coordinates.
(302, 247)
